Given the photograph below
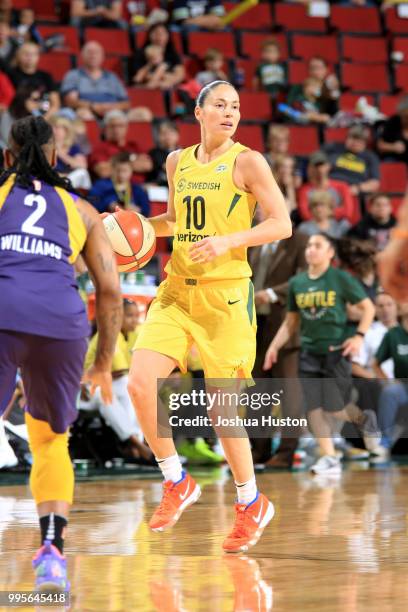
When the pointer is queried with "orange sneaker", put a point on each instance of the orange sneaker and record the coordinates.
(250, 521)
(176, 498)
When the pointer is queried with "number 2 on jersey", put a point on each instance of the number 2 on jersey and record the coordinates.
(29, 226)
(198, 212)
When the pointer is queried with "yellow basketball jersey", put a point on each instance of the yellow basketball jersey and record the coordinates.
(208, 203)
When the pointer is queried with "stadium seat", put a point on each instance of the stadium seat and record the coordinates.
(249, 67)
(157, 208)
(258, 17)
(152, 98)
(142, 134)
(393, 177)
(395, 24)
(251, 43)
(298, 71)
(400, 43)
(335, 134)
(192, 65)
(93, 132)
(45, 10)
(364, 49)
(139, 39)
(295, 17)
(113, 40)
(70, 34)
(56, 63)
(189, 133)
(401, 76)
(21, 4)
(360, 77)
(255, 106)
(348, 101)
(396, 202)
(307, 46)
(114, 63)
(303, 140)
(363, 19)
(199, 42)
(388, 104)
(251, 136)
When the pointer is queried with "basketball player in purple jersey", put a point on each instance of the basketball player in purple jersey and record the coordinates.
(43, 322)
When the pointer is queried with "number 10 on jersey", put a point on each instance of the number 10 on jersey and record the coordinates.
(195, 206)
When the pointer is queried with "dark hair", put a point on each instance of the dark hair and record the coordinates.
(128, 302)
(17, 108)
(170, 48)
(318, 57)
(27, 137)
(374, 196)
(122, 157)
(332, 241)
(357, 255)
(201, 98)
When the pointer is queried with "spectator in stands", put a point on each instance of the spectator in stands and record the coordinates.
(277, 142)
(322, 207)
(352, 163)
(120, 190)
(393, 141)
(167, 141)
(158, 34)
(7, 91)
(199, 13)
(27, 101)
(270, 74)
(394, 394)
(329, 87)
(90, 90)
(71, 162)
(284, 173)
(318, 179)
(214, 68)
(155, 74)
(8, 46)
(97, 13)
(25, 28)
(307, 104)
(115, 141)
(359, 258)
(26, 72)
(377, 223)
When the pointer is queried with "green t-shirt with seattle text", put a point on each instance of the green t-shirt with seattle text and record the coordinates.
(394, 346)
(321, 304)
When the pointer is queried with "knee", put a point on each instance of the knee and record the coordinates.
(139, 389)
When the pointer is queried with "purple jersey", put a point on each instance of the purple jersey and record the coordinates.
(41, 235)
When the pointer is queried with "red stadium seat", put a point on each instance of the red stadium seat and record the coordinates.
(307, 46)
(93, 132)
(70, 34)
(45, 10)
(299, 71)
(400, 43)
(140, 39)
(396, 202)
(157, 208)
(401, 76)
(255, 106)
(199, 42)
(388, 104)
(251, 44)
(364, 49)
(192, 65)
(303, 140)
(142, 134)
(251, 136)
(56, 63)
(189, 133)
(360, 77)
(393, 177)
(258, 17)
(21, 4)
(348, 101)
(152, 98)
(113, 40)
(114, 64)
(295, 17)
(249, 67)
(335, 134)
(395, 24)
(363, 19)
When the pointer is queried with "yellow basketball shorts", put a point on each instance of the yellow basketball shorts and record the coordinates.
(218, 316)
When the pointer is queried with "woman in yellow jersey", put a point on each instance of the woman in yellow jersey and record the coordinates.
(207, 297)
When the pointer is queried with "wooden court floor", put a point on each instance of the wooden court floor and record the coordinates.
(335, 544)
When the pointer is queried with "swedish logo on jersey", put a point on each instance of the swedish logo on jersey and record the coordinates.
(181, 185)
(221, 168)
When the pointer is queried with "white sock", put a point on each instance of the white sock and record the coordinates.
(246, 491)
(171, 468)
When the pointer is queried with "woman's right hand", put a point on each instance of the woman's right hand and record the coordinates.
(271, 357)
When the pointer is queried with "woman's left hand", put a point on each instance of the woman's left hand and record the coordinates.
(209, 248)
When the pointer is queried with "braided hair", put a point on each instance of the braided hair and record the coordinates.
(27, 137)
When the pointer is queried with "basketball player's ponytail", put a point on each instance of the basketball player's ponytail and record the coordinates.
(206, 90)
(29, 135)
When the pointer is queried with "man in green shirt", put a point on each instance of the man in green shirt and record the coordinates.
(317, 300)
(394, 394)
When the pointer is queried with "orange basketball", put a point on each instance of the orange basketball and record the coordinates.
(132, 238)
